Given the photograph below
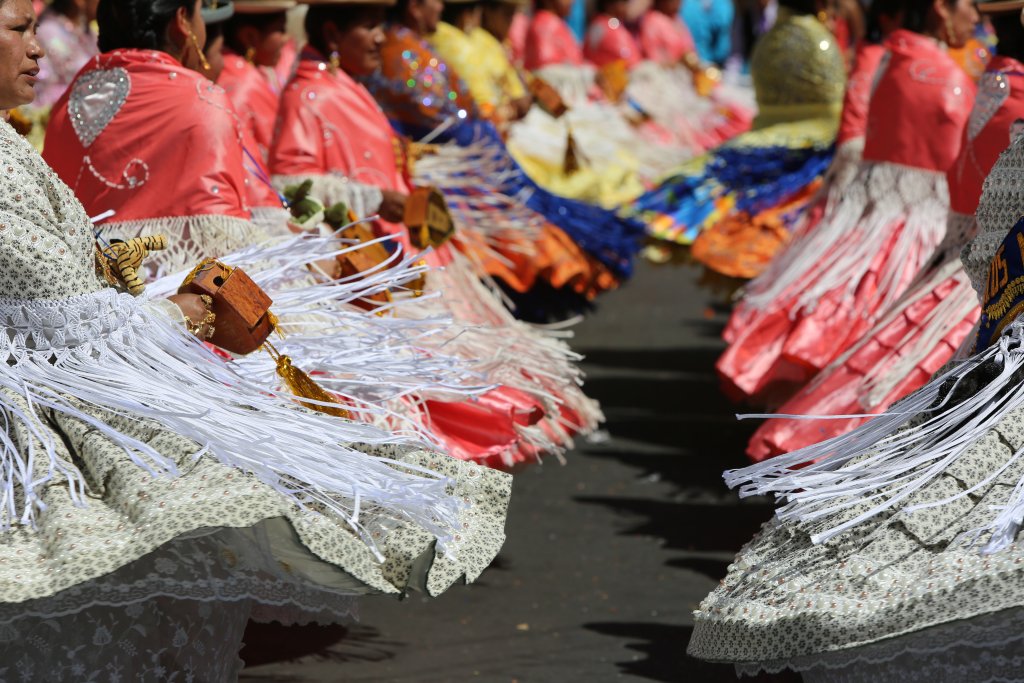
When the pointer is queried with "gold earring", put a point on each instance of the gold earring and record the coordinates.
(250, 55)
(199, 50)
(950, 32)
(335, 60)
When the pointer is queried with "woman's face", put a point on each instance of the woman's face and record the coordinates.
(89, 9)
(20, 52)
(958, 21)
(497, 19)
(669, 7)
(562, 8)
(269, 42)
(215, 57)
(427, 14)
(358, 45)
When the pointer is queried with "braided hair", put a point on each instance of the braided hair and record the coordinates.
(138, 24)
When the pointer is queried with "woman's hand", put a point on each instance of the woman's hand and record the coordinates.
(392, 206)
(191, 305)
(521, 107)
(196, 311)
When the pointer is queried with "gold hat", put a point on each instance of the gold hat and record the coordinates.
(263, 6)
(1000, 6)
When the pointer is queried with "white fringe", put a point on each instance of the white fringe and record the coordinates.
(110, 351)
(882, 463)
(838, 251)
(383, 364)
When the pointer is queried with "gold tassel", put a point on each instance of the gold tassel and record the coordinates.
(303, 385)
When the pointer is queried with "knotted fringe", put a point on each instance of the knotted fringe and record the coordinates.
(112, 352)
(882, 463)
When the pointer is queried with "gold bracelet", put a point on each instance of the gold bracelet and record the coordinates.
(208, 320)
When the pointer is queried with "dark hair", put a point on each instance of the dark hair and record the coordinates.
(61, 6)
(801, 6)
(259, 21)
(213, 32)
(317, 17)
(453, 10)
(1010, 33)
(603, 5)
(916, 14)
(342, 16)
(879, 9)
(396, 13)
(140, 24)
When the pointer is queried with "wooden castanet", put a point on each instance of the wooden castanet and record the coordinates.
(242, 308)
(427, 217)
(358, 261)
(547, 98)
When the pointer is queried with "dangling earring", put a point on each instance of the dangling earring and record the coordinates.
(335, 60)
(199, 50)
(250, 55)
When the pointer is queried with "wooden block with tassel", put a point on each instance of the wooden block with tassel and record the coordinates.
(242, 308)
(358, 262)
(547, 98)
(427, 217)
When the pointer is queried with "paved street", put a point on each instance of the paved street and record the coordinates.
(606, 556)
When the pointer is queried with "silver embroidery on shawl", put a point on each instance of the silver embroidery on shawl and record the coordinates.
(95, 100)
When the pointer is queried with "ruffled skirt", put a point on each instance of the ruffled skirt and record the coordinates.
(899, 355)
(855, 264)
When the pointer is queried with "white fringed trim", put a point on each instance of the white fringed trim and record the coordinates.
(379, 363)
(364, 200)
(838, 251)
(883, 464)
(110, 351)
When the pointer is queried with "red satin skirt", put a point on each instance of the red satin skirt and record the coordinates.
(846, 388)
(780, 349)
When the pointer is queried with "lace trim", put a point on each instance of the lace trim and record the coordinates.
(984, 648)
(190, 239)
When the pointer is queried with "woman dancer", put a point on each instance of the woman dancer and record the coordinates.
(798, 80)
(341, 140)
(155, 499)
(126, 157)
(255, 38)
(930, 322)
(897, 556)
(876, 239)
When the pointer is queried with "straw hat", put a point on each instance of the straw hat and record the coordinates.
(1000, 6)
